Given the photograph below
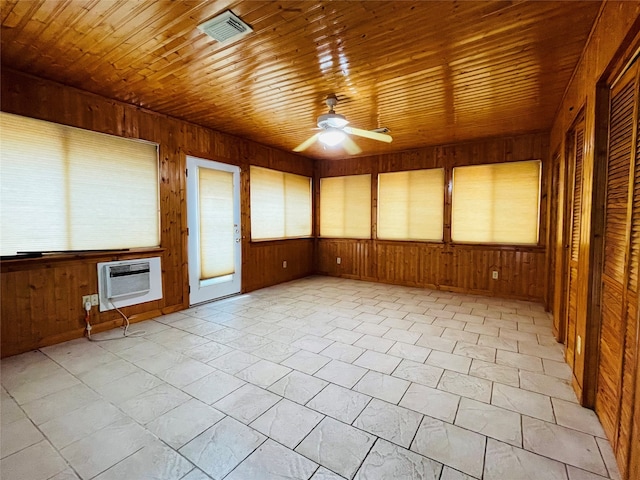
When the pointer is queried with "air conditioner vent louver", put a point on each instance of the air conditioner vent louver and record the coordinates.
(128, 279)
(225, 27)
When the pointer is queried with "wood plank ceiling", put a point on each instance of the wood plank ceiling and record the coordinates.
(431, 72)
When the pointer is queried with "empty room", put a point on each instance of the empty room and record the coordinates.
(372, 240)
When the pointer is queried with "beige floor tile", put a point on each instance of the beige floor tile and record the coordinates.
(409, 352)
(449, 473)
(18, 435)
(554, 387)
(518, 360)
(272, 461)
(340, 403)
(448, 344)
(522, 401)
(263, 373)
(384, 387)
(337, 446)
(609, 458)
(234, 361)
(153, 403)
(562, 444)
(466, 385)
(497, 373)
(58, 404)
(306, 362)
(490, 421)
(247, 403)
(450, 445)
(395, 424)
(417, 372)
(287, 422)
(312, 343)
(389, 461)
(77, 424)
(377, 344)
(343, 336)
(379, 362)
(106, 447)
(341, 373)
(152, 461)
(298, 387)
(342, 352)
(219, 449)
(432, 402)
(213, 387)
(572, 415)
(505, 461)
(21, 465)
(488, 354)
(185, 422)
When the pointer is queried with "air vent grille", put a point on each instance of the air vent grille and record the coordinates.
(225, 27)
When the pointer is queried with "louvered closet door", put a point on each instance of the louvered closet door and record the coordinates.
(574, 246)
(617, 356)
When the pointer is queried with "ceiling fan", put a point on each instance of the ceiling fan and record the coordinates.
(334, 130)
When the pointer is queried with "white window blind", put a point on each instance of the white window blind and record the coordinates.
(345, 206)
(411, 205)
(497, 203)
(215, 188)
(280, 204)
(63, 188)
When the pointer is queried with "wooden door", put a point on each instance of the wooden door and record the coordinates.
(577, 147)
(618, 348)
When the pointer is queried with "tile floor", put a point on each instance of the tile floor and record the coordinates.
(320, 378)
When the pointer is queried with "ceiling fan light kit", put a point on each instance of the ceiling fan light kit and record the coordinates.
(332, 137)
(335, 131)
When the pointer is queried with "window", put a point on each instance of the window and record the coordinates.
(280, 205)
(411, 205)
(497, 203)
(345, 206)
(64, 188)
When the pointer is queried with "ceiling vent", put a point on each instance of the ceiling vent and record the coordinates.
(225, 27)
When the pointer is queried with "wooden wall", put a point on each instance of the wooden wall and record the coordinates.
(614, 41)
(445, 265)
(41, 299)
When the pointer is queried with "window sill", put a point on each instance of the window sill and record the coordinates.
(16, 264)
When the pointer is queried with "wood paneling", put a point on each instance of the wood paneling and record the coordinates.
(433, 72)
(443, 265)
(42, 296)
(613, 43)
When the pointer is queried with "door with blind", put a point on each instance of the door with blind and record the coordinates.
(213, 213)
(618, 349)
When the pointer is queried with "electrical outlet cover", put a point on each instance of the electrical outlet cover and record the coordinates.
(85, 299)
(95, 300)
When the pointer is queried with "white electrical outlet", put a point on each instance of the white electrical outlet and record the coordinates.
(494, 274)
(95, 300)
(284, 264)
(86, 299)
(338, 260)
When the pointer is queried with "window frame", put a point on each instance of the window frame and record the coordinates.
(67, 185)
(539, 215)
(311, 203)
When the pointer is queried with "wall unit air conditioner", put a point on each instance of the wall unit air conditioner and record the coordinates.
(128, 279)
(129, 282)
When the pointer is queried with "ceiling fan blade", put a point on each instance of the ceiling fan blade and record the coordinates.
(382, 137)
(307, 143)
(351, 147)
